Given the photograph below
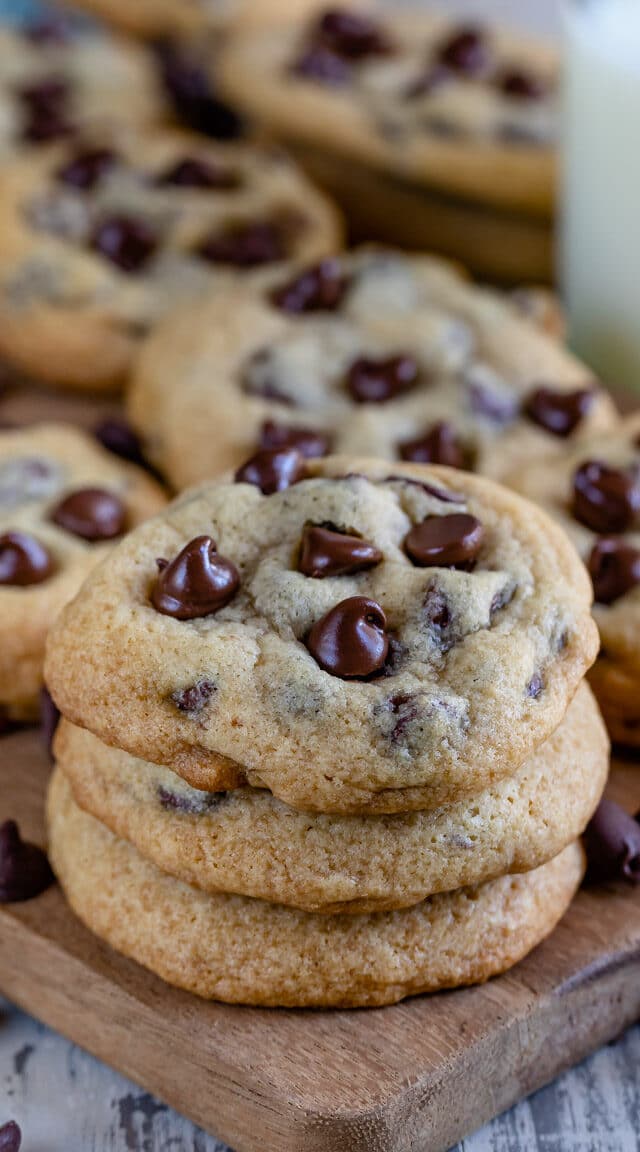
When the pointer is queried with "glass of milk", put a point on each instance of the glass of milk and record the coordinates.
(600, 237)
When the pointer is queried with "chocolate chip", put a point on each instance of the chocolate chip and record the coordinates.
(439, 618)
(91, 513)
(195, 804)
(49, 720)
(194, 99)
(407, 709)
(612, 840)
(309, 442)
(10, 1137)
(535, 687)
(195, 698)
(126, 241)
(445, 541)
(614, 567)
(118, 437)
(197, 583)
(319, 289)
(559, 412)
(466, 51)
(327, 552)
(245, 245)
(24, 869)
(351, 640)
(319, 63)
(46, 109)
(372, 381)
(351, 35)
(23, 560)
(273, 471)
(605, 499)
(196, 172)
(439, 445)
(46, 123)
(86, 169)
(45, 92)
(434, 490)
(518, 84)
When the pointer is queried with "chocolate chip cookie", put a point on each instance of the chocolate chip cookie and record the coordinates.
(353, 636)
(246, 951)
(374, 352)
(63, 502)
(594, 493)
(55, 85)
(248, 843)
(100, 237)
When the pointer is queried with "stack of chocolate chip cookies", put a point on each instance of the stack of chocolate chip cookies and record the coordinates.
(326, 739)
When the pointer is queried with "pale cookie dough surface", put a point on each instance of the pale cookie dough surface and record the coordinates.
(71, 314)
(401, 112)
(616, 676)
(214, 374)
(248, 843)
(246, 951)
(39, 467)
(481, 665)
(106, 82)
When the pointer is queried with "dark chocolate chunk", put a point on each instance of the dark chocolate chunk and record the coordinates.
(246, 245)
(196, 172)
(193, 96)
(559, 412)
(194, 698)
(535, 686)
(352, 35)
(127, 241)
(309, 442)
(466, 51)
(445, 541)
(86, 169)
(198, 582)
(612, 840)
(23, 560)
(91, 513)
(606, 499)
(319, 289)
(10, 1137)
(118, 437)
(327, 552)
(372, 381)
(519, 84)
(24, 869)
(614, 567)
(438, 445)
(194, 804)
(273, 471)
(351, 640)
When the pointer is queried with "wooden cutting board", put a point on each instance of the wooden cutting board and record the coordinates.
(412, 1078)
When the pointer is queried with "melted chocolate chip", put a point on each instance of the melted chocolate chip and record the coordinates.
(24, 869)
(377, 381)
(445, 541)
(126, 241)
(91, 513)
(118, 437)
(193, 97)
(319, 63)
(351, 640)
(352, 35)
(327, 552)
(23, 560)
(318, 289)
(518, 84)
(438, 616)
(195, 698)
(273, 471)
(86, 169)
(605, 499)
(195, 804)
(466, 51)
(612, 840)
(559, 412)
(535, 687)
(434, 490)
(439, 445)
(196, 172)
(197, 583)
(46, 109)
(49, 720)
(246, 245)
(10, 1137)
(614, 567)
(309, 442)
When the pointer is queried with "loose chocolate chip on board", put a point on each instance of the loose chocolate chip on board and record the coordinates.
(24, 869)
(198, 582)
(10, 1137)
(612, 840)
(559, 412)
(438, 445)
(606, 499)
(614, 567)
(196, 172)
(24, 561)
(127, 241)
(246, 245)
(309, 442)
(321, 288)
(49, 720)
(326, 552)
(351, 34)
(273, 471)
(445, 541)
(86, 168)
(351, 640)
(372, 381)
(91, 513)
(466, 51)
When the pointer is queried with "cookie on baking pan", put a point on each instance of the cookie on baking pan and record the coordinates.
(63, 501)
(462, 109)
(352, 635)
(374, 352)
(154, 18)
(247, 951)
(594, 493)
(99, 238)
(55, 84)
(248, 843)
